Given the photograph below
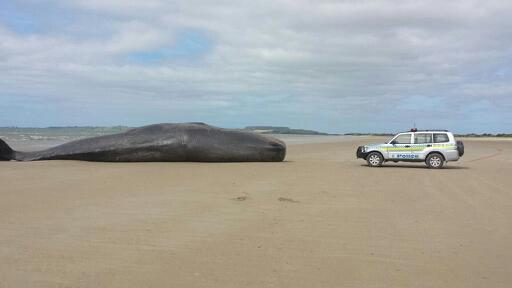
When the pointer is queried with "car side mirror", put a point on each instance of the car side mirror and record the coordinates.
(393, 142)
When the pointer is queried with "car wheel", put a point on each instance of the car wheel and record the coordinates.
(435, 161)
(374, 159)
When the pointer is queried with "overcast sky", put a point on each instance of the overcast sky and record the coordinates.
(336, 66)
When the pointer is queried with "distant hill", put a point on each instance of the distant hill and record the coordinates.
(282, 130)
(87, 131)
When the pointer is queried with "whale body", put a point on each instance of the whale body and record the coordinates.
(183, 142)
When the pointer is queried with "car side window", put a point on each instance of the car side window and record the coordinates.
(422, 138)
(403, 139)
(440, 138)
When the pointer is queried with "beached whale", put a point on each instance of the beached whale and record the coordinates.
(193, 142)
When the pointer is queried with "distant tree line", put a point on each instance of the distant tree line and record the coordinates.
(456, 135)
(484, 135)
(93, 130)
(283, 130)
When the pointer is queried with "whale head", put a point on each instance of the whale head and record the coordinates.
(226, 145)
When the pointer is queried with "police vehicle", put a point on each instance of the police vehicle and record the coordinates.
(434, 147)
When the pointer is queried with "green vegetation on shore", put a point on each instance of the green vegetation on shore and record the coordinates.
(456, 135)
(282, 130)
(484, 135)
(92, 130)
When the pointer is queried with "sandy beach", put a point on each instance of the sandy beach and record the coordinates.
(320, 219)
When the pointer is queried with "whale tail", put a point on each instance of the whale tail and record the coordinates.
(6, 153)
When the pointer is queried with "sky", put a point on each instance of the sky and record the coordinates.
(334, 66)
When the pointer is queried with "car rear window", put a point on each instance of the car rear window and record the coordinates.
(440, 137)
(421, 138)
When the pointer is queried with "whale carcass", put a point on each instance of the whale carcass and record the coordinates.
(187, 142)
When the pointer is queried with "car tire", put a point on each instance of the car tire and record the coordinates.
(435, 161)
(460, 148)
(374, 159)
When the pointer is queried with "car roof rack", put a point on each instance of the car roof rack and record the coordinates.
(426, 130)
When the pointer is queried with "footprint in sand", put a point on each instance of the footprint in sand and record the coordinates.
(282, 199)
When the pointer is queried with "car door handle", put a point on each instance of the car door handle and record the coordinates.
(429, 145)
(407, 146)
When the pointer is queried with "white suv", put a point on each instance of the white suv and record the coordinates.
(434, 147)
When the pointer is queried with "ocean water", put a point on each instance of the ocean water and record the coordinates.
(33, 139)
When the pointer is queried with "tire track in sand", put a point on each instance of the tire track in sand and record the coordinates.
(499, 151)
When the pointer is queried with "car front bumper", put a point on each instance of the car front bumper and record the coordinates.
(360, 153)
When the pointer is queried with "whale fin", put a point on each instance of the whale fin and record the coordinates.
(6, 153)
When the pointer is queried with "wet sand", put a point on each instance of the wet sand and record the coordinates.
(320, 219)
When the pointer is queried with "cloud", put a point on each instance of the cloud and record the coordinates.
(330, 65)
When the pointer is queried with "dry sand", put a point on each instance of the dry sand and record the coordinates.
(321, 219)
